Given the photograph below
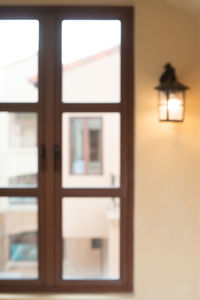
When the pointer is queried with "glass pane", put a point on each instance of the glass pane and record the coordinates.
(18, 149)
(162, 107)
(91, 150)
(18, 238)
(19, 60)
(91, 238)
(91, 61)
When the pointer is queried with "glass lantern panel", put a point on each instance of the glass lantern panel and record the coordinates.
(162, 106)
(176, 106)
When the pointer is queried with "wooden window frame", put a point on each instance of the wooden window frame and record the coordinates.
(49, 191)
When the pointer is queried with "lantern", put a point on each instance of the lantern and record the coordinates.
(171, 96)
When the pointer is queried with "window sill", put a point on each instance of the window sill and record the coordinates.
(120, 296)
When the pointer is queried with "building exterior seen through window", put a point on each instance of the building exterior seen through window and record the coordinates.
(22, 130)
(23, 247)
(86, 145)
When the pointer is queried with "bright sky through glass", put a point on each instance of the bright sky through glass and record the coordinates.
(83, 38)
(80, 38)
(19, 40)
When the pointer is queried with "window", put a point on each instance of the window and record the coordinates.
(23, 247)
(21, 130)
(22, 200)
(18, 239)
(66, 152)
(86, 145)
(23, 180)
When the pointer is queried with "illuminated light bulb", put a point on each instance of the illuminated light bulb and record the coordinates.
(175, 108)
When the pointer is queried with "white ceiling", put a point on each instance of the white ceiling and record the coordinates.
(192, 6)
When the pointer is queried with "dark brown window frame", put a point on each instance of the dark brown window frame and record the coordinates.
(50, 108)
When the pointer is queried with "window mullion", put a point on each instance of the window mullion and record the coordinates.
(47, 80)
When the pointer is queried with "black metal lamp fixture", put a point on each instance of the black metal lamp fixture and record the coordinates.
(171, 96)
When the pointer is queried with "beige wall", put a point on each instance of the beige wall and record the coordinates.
(167, 159)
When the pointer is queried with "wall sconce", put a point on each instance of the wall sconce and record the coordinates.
(171, 103)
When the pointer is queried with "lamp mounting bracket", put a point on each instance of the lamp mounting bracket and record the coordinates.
(168, 74)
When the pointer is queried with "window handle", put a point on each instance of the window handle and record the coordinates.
(56, 156)
(42, 155)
